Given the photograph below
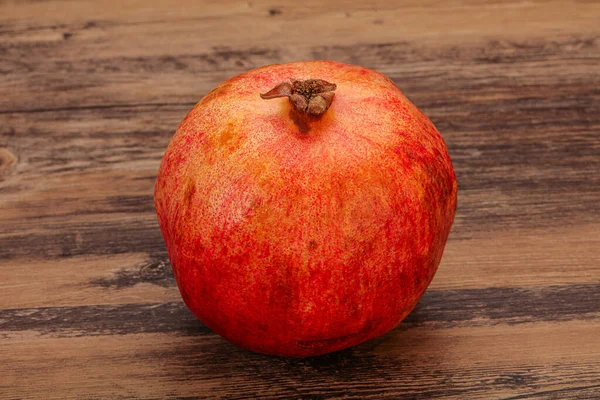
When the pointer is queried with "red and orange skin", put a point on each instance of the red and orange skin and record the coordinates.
(298, 242)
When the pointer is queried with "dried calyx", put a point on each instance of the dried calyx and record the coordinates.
(310, 98)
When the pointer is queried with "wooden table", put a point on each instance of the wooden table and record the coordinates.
(92, 93)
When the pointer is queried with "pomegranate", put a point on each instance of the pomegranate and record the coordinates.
(305, 207)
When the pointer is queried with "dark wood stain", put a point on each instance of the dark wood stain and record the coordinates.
(131, 204)
(119, 319)
(89, 307)
(438, 309)
(491, 51)
(55, 111)
(95, 238)
(157, 271)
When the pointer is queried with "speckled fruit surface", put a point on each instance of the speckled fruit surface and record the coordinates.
(298, 238)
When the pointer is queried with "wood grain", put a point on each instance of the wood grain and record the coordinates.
(437, 310)
(550, 359)
(92, 93)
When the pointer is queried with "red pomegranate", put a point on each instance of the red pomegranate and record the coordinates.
(310, 218)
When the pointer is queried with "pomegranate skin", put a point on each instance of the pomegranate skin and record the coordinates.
(298, 239)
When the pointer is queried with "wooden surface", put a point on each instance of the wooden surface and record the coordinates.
(92, 93)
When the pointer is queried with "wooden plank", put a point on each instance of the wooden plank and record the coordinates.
(81, 280)
(446, 72)
(438, 309)
(512, 259)
(538, 359)
(412, 17)
(129, 61)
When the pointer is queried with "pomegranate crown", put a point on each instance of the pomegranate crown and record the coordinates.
(311, 97)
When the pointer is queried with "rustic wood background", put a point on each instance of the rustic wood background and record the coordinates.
(93, 91)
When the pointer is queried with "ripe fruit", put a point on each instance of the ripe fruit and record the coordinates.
(305, 225)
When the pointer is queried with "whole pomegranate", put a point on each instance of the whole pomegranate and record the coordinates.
(309, 218)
